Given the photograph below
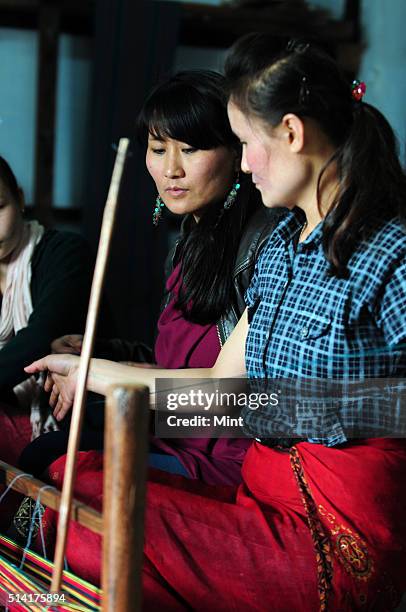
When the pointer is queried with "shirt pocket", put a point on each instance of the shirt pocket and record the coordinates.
(312, 326)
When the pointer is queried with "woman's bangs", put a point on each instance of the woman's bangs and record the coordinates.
(187, 122)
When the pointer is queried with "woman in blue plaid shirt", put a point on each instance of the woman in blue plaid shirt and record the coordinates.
(314, 526)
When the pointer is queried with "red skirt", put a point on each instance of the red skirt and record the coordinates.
(313, 528)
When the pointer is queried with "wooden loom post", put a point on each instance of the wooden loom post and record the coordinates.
(88, 341)
(125, 452)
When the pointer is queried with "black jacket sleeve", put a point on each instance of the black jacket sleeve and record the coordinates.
(62, 269)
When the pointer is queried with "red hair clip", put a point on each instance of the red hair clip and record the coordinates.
(358, 90)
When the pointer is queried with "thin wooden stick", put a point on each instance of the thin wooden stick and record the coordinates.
(88, 341)
(50, 497)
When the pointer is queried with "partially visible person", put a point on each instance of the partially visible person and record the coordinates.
(193, 158)
(45, 279)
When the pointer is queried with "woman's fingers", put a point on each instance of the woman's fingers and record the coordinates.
(49, 383)
(60, 380)
(54, 397)
(36, 366)
(56, 364)
(61, 409)
(62, 396)
(58, 408)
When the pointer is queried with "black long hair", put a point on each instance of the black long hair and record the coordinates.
(191, 107)
(7, 177)
(307, 82)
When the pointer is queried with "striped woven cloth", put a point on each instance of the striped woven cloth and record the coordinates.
(28, 588)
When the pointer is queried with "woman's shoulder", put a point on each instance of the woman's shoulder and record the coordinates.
(386, 242)
(59, 255)
(389, 234)
(61, 243)
(58, 238)
(381, 254)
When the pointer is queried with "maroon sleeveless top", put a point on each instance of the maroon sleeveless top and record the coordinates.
(183, 344)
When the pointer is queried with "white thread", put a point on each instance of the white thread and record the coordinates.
(10, 486)
(34, 516)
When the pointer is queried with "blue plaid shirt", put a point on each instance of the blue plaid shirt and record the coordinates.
(306, 323)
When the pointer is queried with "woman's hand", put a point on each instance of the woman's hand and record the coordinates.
(71, 343)
(61, 380)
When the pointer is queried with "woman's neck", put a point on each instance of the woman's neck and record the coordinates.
(318, 198)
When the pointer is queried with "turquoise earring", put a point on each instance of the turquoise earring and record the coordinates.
(230, 199)
(157, 214)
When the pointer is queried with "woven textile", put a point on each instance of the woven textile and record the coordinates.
(35, 578)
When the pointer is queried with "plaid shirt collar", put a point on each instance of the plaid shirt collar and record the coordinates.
(291, 226)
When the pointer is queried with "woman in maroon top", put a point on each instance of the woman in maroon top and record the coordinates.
(193, 158)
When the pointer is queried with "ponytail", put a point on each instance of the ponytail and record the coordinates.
(372, 186)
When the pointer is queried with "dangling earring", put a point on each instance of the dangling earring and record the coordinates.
(230, 199)
(157, 214)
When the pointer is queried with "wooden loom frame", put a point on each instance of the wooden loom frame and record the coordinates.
(122, 522)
